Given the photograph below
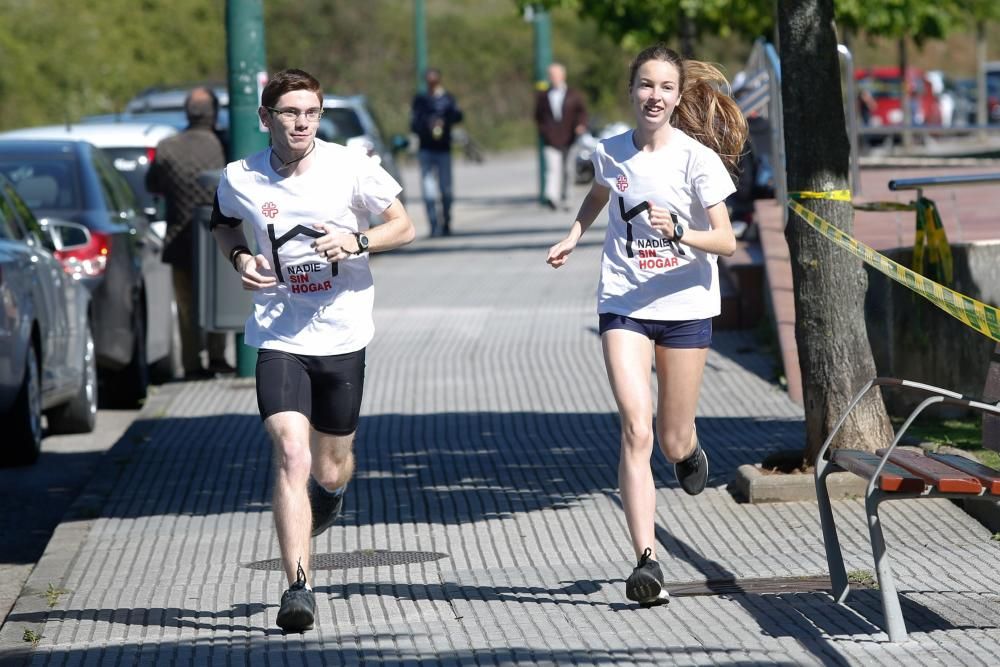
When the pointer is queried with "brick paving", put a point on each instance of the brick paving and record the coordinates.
(486, 485)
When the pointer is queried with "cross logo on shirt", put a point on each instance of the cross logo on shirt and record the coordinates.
(622, 183)
(270, 209)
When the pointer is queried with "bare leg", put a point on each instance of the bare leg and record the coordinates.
(678, 374)
(332, 459)
(289, 433)
(628, 356)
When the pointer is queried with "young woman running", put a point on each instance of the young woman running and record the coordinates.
(667, 181)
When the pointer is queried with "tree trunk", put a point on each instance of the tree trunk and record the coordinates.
(834, 353)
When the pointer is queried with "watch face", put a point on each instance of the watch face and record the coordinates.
(362, 242)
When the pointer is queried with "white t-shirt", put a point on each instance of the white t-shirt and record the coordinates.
(317, 308)
(643, 274)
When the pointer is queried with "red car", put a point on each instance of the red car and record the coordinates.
(880, 93)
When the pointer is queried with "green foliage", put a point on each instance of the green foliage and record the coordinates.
(965, 434)
(63, 60)
(31, 636)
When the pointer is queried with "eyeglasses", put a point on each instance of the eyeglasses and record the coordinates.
(291, 115)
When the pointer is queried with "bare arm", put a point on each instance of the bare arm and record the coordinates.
(719, 240)
(255, 271)
(396, 230)
(592, 205)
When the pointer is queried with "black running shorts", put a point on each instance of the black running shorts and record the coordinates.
(327, 390)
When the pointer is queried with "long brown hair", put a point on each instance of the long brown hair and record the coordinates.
(704, 111)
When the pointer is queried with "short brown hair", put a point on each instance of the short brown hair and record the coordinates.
(286, 81)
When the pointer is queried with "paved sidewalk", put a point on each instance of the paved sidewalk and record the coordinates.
(483, 526)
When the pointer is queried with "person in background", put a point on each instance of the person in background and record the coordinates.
(174, 174)
(432, 116)
(561, 116)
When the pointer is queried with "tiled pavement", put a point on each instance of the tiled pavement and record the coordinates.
(486, 488)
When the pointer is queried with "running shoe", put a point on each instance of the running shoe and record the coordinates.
(645, 584)
(326, 506)
(298, 605)
(692, 472)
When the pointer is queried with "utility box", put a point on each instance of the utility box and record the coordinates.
(223, 304)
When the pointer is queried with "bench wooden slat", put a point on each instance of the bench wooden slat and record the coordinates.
(937, 473)
(863, 464)
(989, 477)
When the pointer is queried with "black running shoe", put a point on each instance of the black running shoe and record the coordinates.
(298, 606)
(326, 507)
(692, 472)
(645, 584)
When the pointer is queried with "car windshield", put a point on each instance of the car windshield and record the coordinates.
(339, 124)
(133, 163)
(44, 183)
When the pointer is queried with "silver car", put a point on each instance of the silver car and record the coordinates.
(47, 358)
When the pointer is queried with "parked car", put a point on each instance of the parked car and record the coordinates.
(130, 145)
(120, 264)
(47, 360)
(347, 119)
(884, 85)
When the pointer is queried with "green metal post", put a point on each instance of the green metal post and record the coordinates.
(420, 43)
(543, 58)
(247, 77)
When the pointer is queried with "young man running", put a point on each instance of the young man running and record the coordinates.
(307, 204)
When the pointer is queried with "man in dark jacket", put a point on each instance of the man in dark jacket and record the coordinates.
(431, 117)
(174, 174)
(561, 116)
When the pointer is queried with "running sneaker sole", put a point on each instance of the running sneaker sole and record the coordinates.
(295, 620)
(643, 588)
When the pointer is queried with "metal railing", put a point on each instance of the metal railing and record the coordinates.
(919, 184)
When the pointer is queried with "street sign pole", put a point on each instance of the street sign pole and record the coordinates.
(539, 18)
(420, 43)
(247, 76)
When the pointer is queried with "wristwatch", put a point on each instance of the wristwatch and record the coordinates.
(678, 231)
(362, 242)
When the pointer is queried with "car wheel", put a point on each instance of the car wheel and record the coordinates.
(26, 416)
(128, 386)
(80, 414)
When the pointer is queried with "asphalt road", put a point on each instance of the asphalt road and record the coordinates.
(34, 498)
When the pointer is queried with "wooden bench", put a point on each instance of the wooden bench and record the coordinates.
(894, 474)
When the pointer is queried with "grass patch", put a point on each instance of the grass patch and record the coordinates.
(52, 595)
(964, 434)
(862, 578)
(31, 636)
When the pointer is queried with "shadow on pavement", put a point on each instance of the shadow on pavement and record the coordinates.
(440, 468)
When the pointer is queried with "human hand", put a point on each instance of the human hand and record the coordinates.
(255, 272)
(335, 244)
(559, 253)
(661, 220)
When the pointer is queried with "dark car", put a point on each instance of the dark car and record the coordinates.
(47, 360)
(130, 285)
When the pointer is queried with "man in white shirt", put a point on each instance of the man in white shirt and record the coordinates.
(307, 204)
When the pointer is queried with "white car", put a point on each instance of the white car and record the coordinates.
(130, 146)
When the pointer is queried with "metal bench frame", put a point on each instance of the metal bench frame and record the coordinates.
(895, 626)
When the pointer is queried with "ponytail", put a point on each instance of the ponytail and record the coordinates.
(704, 112)
(709, 115)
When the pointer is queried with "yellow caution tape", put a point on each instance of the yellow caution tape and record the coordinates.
(885, 206)
(975, 314)
(835, 195)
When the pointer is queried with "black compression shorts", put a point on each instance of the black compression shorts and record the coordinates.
(327, 390)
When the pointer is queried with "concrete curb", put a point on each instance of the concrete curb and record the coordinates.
(754, 486)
